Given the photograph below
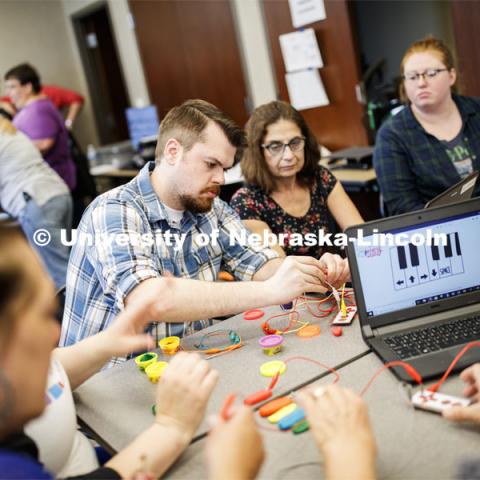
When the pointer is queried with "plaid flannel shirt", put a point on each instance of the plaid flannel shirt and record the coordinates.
(413, 166)
(100, 276)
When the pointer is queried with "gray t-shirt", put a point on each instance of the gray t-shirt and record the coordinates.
(22, 169)
(459, 153)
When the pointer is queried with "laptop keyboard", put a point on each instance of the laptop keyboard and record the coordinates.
(434, 338)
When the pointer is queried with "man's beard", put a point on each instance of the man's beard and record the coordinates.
(199, 204)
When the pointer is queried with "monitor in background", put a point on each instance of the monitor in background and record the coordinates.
(142, 122)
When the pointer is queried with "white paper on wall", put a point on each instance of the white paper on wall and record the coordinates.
(300, 50)
(306, 90)
(304, 12)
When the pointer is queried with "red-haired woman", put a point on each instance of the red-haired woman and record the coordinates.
(435, 140)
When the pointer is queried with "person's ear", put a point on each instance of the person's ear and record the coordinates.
(453, 76)
(28, 88)
(172, 151)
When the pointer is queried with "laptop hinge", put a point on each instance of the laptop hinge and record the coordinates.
(367, 331)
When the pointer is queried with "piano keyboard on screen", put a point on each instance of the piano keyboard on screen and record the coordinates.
(413, 265)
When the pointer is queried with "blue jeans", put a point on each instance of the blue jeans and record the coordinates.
(52, 217)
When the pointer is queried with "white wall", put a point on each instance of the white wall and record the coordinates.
(255, 51)
(35, 32)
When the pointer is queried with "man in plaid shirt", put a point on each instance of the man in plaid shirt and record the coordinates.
(174, 202)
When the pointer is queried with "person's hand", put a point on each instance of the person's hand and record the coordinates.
(463, 414)
(234, 448)
(471, 376)
(295, 276)
(339, 422)
(183, 392)
(126, 333)
(336, 269)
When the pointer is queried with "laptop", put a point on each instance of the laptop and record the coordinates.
(463, 190)
(420, 303)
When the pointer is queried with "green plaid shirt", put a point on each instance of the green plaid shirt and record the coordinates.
(413, 166)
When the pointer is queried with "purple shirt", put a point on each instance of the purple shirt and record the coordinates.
(40, 120)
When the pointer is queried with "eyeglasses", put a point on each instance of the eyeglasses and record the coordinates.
(278, 148)
(426, 75)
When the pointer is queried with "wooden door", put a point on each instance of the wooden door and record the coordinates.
(104, 74)
(189, 50)
(340, 124)
(466, 21)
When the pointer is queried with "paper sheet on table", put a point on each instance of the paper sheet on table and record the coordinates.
(300, 50)
(306, 90)
(304, 12)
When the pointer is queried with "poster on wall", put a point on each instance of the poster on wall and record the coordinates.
(306, 90)
(300, 50)
(304, 12)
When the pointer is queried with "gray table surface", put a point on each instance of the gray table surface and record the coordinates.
(412, 444)
(116, 403)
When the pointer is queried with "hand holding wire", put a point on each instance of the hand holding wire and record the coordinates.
(471, 376)
(335, 268)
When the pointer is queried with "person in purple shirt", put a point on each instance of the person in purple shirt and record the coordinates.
(40, 120)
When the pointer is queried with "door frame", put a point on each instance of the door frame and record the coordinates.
(88, 68)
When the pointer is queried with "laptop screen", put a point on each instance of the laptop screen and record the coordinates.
(433, 261)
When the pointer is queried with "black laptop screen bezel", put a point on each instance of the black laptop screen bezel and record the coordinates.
(401, 222)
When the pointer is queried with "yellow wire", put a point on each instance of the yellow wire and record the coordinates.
(343, 307)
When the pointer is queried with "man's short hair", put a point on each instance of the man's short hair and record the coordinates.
(25, 73)
(188, 121)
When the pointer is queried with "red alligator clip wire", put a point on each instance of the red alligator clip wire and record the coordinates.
(225, 412)
(257, 397)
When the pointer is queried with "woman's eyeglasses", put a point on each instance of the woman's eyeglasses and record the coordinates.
(426, 75)
(278, 148)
